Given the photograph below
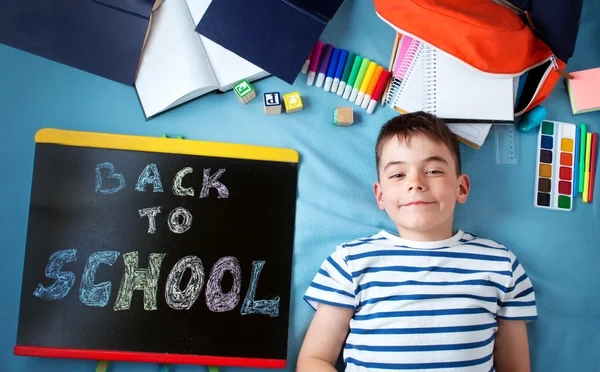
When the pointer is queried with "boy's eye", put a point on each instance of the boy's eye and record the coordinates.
(434, 172)
(397, 175)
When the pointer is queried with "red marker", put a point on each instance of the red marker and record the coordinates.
(314, 63)
(594, 151)
(377, 93)
(307, 63)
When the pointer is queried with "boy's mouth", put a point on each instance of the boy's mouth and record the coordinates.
(417, 203)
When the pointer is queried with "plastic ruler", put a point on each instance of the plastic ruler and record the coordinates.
(506, 144)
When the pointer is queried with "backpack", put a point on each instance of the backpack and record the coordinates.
(533, 39)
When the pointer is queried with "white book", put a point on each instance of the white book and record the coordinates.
(178, 64)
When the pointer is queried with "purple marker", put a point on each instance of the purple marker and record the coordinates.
(314, 63)
(324, 65)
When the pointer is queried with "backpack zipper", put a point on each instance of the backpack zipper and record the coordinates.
(519, 11)
(560, 71)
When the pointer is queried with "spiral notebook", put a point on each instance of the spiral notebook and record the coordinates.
(430, 80)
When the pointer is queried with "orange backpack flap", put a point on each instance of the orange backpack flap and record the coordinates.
(483, 34)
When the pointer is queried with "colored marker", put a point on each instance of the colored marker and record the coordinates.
(365, 83)
(314, 63)
(353, 75)
(576, 162)
(307, 63)
(324, 65)
(335, 58)
(364, 66)
(346, 73)
(339, 70)
(582, 158)
(588, 152)
(594, 152)
(371, 88)
(379, 89)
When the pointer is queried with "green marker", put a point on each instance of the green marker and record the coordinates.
(346, 73)
(582, 158)
(364, 66)
(353, 74)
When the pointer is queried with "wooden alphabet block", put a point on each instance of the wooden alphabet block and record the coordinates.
(244, 91)
(293, 102)
(272, 103)
(343, 116)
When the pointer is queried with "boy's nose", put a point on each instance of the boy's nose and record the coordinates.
(415, 184)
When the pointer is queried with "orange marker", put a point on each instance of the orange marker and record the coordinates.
(371, 87)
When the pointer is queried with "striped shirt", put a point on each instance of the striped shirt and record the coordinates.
(423, 306)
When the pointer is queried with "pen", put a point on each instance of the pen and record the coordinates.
(335, 57)
(371, 87)
(314, 63)
(392, 58)
(324, 65)
(353, 75)
(339, 70)
(378, 92)
(588, 152)
(307, 63)
(364, 66)
(365, 83)
(346, 73)
(576, 162)
(582, 139)
(594, 152)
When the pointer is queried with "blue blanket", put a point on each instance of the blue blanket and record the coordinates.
(559, 250)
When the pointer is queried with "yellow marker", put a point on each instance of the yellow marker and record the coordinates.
(365, 83)
(588, 154)
(371, 88)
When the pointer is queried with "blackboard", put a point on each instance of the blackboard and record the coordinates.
(221, 211)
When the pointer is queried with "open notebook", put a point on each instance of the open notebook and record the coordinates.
(179, 64)
(426, 79)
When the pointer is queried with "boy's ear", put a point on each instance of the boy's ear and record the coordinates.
(464, 186)
(378, 195)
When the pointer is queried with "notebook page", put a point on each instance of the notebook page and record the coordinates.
(228, 67)
(464, 93)
(174, 67)
(474, 133)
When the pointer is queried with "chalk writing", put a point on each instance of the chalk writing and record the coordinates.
(216, 300)
(151, 213)
(150, 175)
(64, 280)
(111, 175)
(209, 181)
(177, 188)
(264, 307)
(96, 294)
(135, 278)
(180, 225)
(174, 296)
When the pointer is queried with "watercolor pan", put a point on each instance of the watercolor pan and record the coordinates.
(554, 166)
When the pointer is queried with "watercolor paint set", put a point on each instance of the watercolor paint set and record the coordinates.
(555, 165)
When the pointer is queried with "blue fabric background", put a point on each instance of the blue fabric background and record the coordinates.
(560, 251)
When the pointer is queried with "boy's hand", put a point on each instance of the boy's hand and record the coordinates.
(324, 339)
(511, 348)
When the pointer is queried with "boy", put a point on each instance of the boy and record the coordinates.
(430, 299)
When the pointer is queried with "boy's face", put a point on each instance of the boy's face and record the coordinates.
(418, 187)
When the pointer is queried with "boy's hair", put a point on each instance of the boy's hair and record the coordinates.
(408, 125)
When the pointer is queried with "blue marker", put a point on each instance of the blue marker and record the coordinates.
(335, 57)
(576, 162)
(339, 70)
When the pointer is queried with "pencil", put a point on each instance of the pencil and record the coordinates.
(588, 152)
(392, 58)
(594, 152)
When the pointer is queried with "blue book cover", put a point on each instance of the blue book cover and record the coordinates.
(275, 35)
(103, 37)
